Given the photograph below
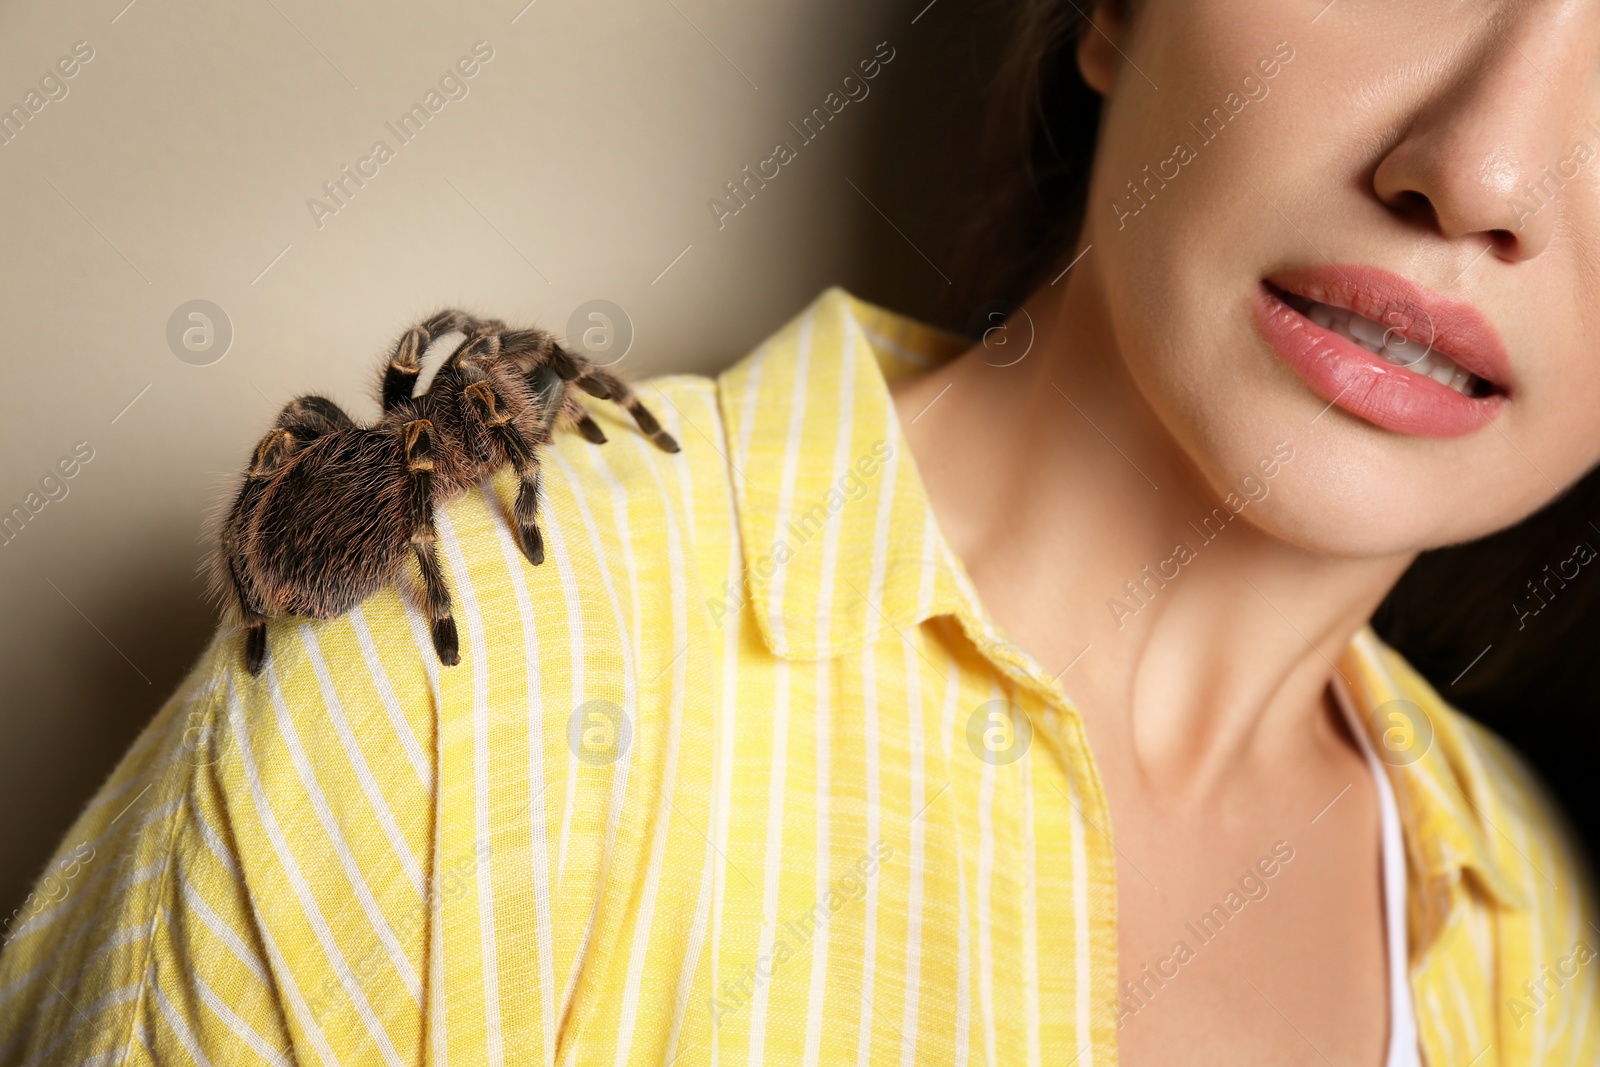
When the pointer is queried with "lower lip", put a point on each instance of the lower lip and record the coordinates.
(1343, 373)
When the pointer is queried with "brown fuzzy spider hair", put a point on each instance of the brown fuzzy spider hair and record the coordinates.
(328, 510)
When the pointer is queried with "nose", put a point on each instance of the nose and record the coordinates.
(1491, 154)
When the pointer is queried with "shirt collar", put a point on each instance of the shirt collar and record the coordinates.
(840, 543)
(1435, 763)
(839, 539)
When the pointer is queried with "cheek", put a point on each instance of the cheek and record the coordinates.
(1181, 192)
(1551, 433)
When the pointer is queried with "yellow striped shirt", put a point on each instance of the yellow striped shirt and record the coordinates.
(743, 773)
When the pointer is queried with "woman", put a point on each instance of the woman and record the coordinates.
(772, 759)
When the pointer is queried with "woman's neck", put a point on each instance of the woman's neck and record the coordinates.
(1193, 637)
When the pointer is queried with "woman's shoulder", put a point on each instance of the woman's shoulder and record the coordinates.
(1521, 825)
(1502, 895)
(1475, 776)
(1474, 802)
(286, 825)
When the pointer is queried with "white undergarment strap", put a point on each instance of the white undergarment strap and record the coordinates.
(1403, 1049)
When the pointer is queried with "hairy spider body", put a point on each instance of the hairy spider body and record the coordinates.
(329, 511)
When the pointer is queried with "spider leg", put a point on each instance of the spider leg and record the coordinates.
(418, 437)
(588, 427)
(255, 642)
(617, 391)
(597, 381)
(549, 368)
(496, 415)
(481, 345)
(309, 417)
(302, 420)
(405, 362)
(559, 406)
(271, 454)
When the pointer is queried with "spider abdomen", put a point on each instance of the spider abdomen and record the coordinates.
(333, 527)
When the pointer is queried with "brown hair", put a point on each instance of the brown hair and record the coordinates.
(1506, 627)
(1031, 186)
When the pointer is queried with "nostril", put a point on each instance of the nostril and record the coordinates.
(1410, 203)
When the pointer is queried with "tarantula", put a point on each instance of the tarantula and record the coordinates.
(328, 509)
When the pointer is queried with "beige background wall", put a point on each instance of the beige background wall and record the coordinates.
(176, 165)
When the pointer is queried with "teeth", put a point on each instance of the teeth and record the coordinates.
(1401, 352)
(1393, 348)
(1367, 332)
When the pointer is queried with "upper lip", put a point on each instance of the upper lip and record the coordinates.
(1454, 328)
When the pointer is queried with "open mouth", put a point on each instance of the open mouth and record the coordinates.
(1396, 344)
(1385, 349)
